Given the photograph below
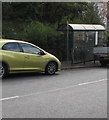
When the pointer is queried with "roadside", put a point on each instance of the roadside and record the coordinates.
(69, 65)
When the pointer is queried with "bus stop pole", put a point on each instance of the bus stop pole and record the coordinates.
(67, 41)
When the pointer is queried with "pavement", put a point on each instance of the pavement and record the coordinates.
(69, 65)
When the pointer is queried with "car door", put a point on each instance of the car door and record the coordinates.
(12, 54)
(33, 60)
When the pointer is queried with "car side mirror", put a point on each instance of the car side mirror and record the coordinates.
(41, 53)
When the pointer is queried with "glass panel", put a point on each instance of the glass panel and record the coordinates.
(89, 44)
(83, 46)
(90, 38)
(30, 49)
(11, 47)
(79, 41)
(101, 38)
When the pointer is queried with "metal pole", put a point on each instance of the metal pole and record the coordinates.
(67, 41)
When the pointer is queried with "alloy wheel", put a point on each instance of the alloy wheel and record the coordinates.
(51, 68)
(2, 71)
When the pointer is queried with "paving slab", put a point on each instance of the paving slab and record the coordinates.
(69, 65)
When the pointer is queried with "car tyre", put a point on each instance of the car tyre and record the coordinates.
(51, 68)
(3, 71)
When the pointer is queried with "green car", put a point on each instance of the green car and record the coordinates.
(19, 56)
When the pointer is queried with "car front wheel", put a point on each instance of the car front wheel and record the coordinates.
(51, 68)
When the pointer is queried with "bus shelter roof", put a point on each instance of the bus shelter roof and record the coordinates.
(85, 27)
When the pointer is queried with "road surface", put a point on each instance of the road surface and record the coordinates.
(73, 93)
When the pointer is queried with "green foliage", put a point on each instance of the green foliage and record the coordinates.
(91, 15)
(49, 12)
(39, 33)
(43, 35)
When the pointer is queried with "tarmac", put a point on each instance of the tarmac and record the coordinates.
(69, 65)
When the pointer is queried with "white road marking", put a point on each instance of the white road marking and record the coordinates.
(8, 98)
(86, 83)
(92, 82)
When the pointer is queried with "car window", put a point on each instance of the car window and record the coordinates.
(11, 47)
(30, 49)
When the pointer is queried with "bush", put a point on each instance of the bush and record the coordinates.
(45, 36)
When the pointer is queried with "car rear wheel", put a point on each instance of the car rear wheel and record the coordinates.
(51, 68)
(3, 71)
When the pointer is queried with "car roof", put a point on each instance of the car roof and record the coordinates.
(3, 41)
(11, 40)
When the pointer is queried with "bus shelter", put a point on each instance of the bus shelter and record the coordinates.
(81, 39)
